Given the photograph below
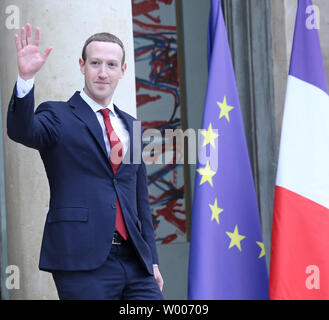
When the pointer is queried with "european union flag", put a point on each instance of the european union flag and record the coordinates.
(227, 255)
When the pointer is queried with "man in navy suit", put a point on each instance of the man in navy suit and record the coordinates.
(98, 239)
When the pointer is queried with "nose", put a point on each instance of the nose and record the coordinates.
(102, 71)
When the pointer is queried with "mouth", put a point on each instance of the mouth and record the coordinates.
(101, 83)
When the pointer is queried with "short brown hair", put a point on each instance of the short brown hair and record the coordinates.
(103, 37)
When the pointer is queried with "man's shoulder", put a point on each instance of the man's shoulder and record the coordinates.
(61, 103)
(124, 113)
(53, 105)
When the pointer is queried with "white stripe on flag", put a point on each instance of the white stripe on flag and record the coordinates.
(304, 151)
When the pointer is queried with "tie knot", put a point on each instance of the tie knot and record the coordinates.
(105, 112)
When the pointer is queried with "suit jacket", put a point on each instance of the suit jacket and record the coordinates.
(83, 188)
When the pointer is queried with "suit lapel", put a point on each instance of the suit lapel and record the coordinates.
(83, 111)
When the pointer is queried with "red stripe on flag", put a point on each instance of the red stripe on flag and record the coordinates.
(300, 248)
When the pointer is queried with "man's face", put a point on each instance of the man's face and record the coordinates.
(102, 70)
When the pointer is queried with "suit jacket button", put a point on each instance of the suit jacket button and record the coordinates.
(115, 181)
(114, 205)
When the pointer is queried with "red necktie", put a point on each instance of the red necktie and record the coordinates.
(115, 159)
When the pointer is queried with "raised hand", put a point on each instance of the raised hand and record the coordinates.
(29, 59)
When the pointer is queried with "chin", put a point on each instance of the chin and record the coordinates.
(98, 94)
(101, 98)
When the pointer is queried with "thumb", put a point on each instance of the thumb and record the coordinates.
(47, 52)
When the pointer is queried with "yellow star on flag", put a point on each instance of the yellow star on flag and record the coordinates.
(262, 252)
(209, 136)
(207, 174)
(215, 211)
(224, 109)
(236, 238)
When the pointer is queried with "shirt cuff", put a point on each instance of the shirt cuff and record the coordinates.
(23, 87)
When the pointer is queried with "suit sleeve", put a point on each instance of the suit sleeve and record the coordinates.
(39, 129)
(144, 211)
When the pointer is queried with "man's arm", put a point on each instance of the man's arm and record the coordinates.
(144, 214)
(39, 129)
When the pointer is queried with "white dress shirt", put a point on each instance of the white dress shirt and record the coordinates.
(23, 88)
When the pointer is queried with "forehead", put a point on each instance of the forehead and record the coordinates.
(104, 50)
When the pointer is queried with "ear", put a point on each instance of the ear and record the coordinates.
(123, 69)
(82, 65)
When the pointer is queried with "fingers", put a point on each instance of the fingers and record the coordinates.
(26, 37)
(18, 43)
(158, 277)
(37, 37)
(23, 37)
(28, 34)
(160, 284)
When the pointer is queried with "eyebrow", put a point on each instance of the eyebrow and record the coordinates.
(96, 58)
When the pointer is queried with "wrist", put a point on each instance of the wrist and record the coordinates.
(26, 77)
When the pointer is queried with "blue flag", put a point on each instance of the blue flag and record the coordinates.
(227, 255)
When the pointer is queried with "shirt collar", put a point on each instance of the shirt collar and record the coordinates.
(94, 105)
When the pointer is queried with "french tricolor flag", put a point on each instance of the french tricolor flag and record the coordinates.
(300, 234)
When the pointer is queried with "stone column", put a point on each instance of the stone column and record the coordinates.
(65, 25)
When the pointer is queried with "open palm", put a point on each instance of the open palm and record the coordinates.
(29, 59)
